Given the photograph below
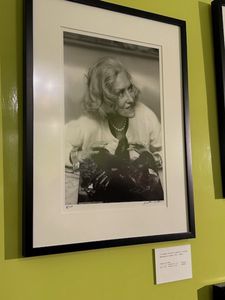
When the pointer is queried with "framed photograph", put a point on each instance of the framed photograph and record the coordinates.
(218, 17)
(107, 156)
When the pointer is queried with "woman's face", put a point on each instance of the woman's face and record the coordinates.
(125, 102)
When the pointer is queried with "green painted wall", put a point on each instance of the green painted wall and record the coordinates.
(125, 272)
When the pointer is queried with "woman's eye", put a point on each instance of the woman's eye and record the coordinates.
(122, 93)
(130, 89)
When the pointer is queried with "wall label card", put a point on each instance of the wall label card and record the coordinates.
(173, 263)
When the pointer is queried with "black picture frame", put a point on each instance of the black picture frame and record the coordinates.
(217, 7)
(32, 186)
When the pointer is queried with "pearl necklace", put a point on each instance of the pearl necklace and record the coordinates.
(119, 129)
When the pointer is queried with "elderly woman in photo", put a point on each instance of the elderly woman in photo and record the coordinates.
(113, 150)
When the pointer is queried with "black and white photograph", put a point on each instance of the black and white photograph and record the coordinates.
(113, 132)
(107, 152)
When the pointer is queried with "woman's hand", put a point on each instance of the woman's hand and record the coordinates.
(80, 155)
(139, 148)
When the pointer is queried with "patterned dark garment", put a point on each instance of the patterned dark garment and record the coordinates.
(116, 178)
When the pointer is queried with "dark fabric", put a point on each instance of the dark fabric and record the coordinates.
(115, 178)
(121, 150)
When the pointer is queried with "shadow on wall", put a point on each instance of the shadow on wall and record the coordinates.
(205, 293)
(208, 59)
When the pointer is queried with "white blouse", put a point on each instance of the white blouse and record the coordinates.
(144, 128)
